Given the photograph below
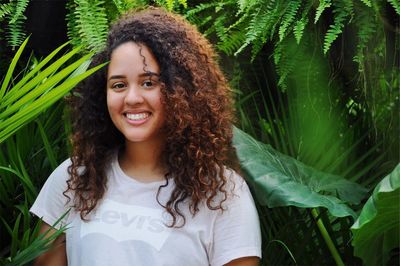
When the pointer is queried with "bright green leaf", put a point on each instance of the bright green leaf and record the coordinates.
(11, 69)
(377, 229)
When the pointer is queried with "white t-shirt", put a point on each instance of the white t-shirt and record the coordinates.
(128, 226)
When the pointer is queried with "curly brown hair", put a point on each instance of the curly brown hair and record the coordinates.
(198, 125)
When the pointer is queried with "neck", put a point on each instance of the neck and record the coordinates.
(142, 161)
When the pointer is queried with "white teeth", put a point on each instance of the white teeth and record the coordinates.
(137, 116)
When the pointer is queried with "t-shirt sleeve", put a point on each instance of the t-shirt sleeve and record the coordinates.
(51, 204)
(237, 229)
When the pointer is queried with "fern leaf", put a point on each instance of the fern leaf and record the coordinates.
(323, 4)
(18, 12)
(183, 3)
(255, 29)
(260, 26)
(396, 5)
(220, 29)
(72, 25)
(202, 7)
(192, 14)
(122, 6)
(367, 3)
(5, 9)
(300, 25)
(242, 20)
(170, 4)
(278, 53)
(285, 61)
(289, 17)
(298, 29)
(16, 34)
(246, 5)
(366, 21)
(232, 42)
(92, 23)
(341, 10)
(242, 5)
(201, 22)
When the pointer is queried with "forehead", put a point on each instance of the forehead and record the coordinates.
(132, 58)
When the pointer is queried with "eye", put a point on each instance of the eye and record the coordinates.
(118, 85)
(148, 83)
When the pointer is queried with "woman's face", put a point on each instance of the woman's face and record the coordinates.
(134, 98)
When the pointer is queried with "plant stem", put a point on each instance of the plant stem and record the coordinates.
(327, 238)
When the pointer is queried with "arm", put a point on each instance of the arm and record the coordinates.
(56, 255)
(245, 261)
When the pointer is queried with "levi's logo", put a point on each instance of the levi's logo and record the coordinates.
(128, 222)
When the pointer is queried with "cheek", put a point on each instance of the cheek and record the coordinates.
(112, 102)
(161, 105)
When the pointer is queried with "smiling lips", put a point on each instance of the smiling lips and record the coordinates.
(137, 118)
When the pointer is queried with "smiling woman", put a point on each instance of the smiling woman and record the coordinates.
(151, 179)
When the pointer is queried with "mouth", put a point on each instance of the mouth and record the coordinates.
(137, 116)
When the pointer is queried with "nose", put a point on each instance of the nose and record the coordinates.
(134, 96)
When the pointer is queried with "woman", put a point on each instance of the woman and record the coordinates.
(149, 181)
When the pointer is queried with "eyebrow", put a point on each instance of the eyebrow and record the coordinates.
(146, 74)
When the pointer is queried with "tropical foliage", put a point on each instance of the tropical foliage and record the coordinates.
(317, 94)
(30, 149)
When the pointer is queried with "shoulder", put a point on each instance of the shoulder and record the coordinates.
(62, 169)
(235, 184)
(60, 175)
(51, 203)
(234, 194)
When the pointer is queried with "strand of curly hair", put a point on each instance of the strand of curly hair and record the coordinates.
(199, 120)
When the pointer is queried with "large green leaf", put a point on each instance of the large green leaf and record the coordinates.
(377, 229)
(280, 180)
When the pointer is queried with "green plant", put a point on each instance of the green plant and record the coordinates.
(362, 31)
(40, 88)
(30, 150)
(13, 13)
(308, 122)
(26, 159)
(279, 180)
(376, 231)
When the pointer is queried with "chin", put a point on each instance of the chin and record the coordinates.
(137, 138)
